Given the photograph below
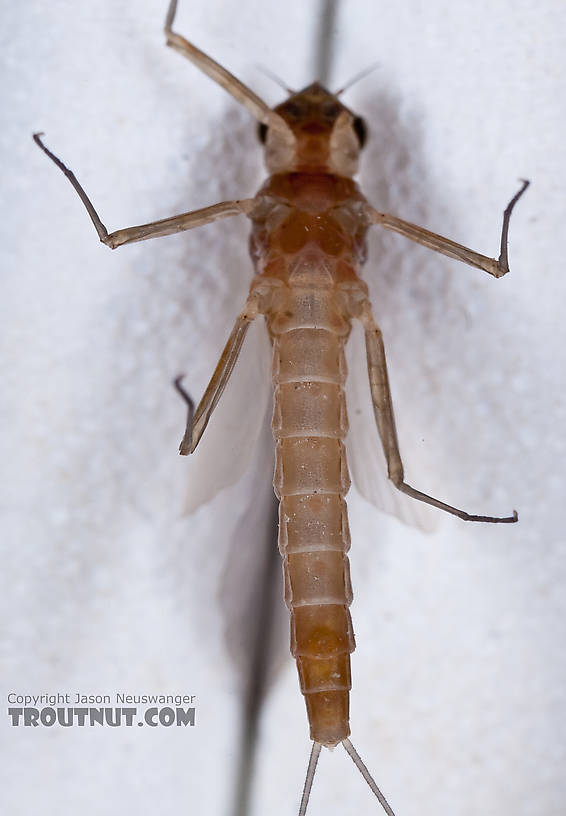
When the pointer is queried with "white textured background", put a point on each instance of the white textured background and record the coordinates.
(458, 704)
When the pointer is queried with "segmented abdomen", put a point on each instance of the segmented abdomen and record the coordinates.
(311, 480)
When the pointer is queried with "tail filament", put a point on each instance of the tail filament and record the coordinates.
(356, 759)
(315, 753)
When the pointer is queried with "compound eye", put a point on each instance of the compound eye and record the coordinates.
(262, 132)
(331, 110)
(360, 130)
(294, 109)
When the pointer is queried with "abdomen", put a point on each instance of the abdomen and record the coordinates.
(311, 480)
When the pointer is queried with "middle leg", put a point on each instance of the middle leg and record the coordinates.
(496, 267)
(155, 229)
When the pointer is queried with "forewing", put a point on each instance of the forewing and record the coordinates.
(366, 459)
(256, 621)
(229, 440)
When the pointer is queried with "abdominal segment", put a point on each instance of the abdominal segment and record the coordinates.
(311, 479)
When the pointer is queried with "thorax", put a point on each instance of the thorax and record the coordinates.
(309, 230)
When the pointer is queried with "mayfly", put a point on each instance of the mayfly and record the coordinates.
(308, 244)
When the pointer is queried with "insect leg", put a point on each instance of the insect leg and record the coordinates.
(220, 75)
(186, 442)
(197, 423)
(383, 409)
(445, 246)
(155, 229)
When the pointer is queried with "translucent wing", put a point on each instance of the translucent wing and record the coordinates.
(363, 445)
(251, 589)
(229, 441)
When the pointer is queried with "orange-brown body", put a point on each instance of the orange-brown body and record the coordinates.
(307, 243)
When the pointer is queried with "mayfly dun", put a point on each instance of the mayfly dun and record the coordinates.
(308, 244)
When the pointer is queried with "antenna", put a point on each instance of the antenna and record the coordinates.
(274, 78)
(356, 78)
